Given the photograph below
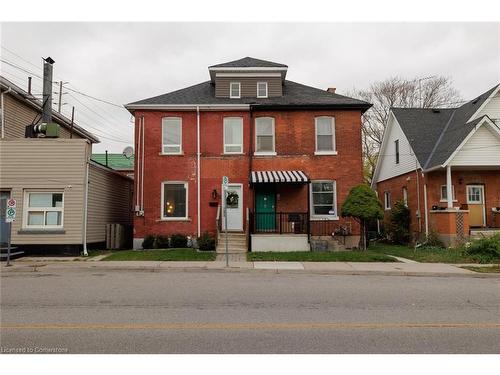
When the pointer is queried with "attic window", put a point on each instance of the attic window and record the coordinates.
(235, 90)
(396, 150)
(261, 89)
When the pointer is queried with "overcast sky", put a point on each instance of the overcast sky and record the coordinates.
(125, 62)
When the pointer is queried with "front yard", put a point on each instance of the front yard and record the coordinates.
(308, 256)
(186, 254)
(425, 255)
(493, 269)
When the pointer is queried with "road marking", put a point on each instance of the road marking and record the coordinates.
(245, 326)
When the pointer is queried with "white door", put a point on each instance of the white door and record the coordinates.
(233, 199)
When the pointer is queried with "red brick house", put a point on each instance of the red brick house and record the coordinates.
(445, 164)
(291, 153)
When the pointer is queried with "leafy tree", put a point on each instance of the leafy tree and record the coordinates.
(362, 205)
(425, 92)
(399, 228)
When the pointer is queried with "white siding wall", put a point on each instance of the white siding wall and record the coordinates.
(483, 148)
(492, 109)
(388, 166)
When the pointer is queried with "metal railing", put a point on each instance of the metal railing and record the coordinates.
(279, 222)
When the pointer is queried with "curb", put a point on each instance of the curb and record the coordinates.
(95, 267)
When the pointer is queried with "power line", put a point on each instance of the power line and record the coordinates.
(93, 97)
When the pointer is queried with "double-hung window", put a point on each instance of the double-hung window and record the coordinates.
(172, 135)
(387, 200)
(235, 90)
(262, 90)
(325, 135)
(174, 200)
(43, 210)
(264, 135)
(233, 135)
(324, 199)
(444, 193)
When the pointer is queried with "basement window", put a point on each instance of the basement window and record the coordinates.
(43, 210)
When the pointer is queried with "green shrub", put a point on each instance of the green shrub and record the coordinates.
(486, 249)
(399, 228)
(206, 242)
(178, 240)
(149, 242)
(161, 242)
(433, 240)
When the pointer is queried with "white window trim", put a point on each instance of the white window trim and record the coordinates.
(179, 218)
(334, 144)
(27, 209)
(163, 145)
(441, 199)
(232, 144)
(267, 90)
(323, 217)
(387, 202)
(231, 96)
(265, 153)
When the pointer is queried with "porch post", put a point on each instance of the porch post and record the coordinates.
(449, 190)
(308, 185)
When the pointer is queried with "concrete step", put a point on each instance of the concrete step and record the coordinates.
(231, 250)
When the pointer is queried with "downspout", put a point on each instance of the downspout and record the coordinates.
(85, 204)
(426, 212)
(3, 110)
(198, 157)
(418, 198)
(142, 168)
(138, 160)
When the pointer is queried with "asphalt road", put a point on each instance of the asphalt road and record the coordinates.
(246, 312)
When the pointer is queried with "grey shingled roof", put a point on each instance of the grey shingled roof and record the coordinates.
(249, 62)
(294, 95)
(434, 134)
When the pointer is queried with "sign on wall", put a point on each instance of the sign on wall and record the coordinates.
(10, 210)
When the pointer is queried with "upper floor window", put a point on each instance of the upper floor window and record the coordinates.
(262, 90)
(264, 135)
(387, 200)
(235, 90)
(325, 135)
(233, 135)
(43, 210)
(396, 150)
(172, 135)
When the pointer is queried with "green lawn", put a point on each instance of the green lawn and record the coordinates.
(494, 269)
(424, 255)
(162, 255)
(308, 256)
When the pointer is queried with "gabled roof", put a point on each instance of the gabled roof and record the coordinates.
(249, 62)
(37, 104)
(435, 133)
(115, 161)
(294, 95)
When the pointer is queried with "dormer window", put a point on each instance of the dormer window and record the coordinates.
(261, 89)
(235, 90)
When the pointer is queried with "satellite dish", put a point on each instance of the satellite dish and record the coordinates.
(128, 152)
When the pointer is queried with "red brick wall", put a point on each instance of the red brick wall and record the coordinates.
(295, 145)
(395, 187)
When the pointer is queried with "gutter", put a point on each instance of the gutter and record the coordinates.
(3, 110)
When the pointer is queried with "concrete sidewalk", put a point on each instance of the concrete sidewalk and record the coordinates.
(343, 268)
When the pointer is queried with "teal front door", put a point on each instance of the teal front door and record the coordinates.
(265, 211)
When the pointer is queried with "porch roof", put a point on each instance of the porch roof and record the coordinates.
(259, 177)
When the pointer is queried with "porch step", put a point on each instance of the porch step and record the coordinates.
(236, 243)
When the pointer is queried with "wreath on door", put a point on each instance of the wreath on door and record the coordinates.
(232, 199)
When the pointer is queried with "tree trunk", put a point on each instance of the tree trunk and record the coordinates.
(362, 237)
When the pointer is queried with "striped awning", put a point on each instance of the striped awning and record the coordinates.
(259, 177)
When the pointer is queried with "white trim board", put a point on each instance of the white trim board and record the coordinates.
(485, 103)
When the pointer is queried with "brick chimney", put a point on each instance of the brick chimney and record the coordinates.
(331, 89)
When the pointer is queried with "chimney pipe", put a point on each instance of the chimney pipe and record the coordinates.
(47, 90)
(331, 90)
(29, 85)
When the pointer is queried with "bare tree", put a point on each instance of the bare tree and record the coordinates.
(428, 92)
